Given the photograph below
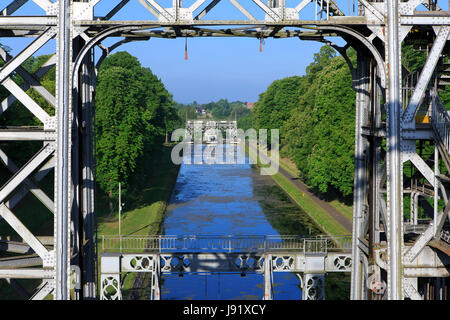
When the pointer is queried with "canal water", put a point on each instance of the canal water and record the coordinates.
(230, 199)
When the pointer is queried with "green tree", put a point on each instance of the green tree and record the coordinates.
(245, 123)
(274, 106)
(315, 114)
(186, 113)
(134, 115)
(321, 60)
(412, 59)
(120, 129)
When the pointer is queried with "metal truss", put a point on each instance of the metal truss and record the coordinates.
(212, 131)
(312, 266)
(384, 243)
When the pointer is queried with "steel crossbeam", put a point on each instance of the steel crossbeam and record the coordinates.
(28, 184)
(30, 81)
(23, 232)
(21, 175)
(425, 76)
(113, 264)
(12, 7)
(14, 63)
(43, 290)
(376, 32)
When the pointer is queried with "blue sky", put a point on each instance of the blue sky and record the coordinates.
(231, 68)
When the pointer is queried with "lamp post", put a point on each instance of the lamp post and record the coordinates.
(120, 211)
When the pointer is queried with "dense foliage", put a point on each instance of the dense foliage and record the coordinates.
(315, 114)
(220, 110)
(134, 113)
(274, 106)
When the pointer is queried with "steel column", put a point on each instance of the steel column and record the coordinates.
(313, 287)
(394, 167)
(268, 278)
(62, 188)
(360, 189)
(87, 181)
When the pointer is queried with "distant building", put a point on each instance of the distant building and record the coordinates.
(200, 111)
(250, 105)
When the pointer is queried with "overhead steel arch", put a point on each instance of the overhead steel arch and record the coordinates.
(93, 42)
(126, 28)
(367, 44)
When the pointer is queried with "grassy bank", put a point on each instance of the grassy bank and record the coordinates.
(147, 217)
(328, 224)
(319, 215)
(292, 169)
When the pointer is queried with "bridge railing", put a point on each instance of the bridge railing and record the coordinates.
(235, 243)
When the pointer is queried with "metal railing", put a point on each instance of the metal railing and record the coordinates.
(440, 120)
(235, 243)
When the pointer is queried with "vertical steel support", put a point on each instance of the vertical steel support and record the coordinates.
(376, 156)
(110, 287)
(110, 284)
(155, 278)
(62, 189)
(82, 206)
(268, 289)
(75, 182)
(88, 196)
(360, 185)
(394, 164)
(313, 287)
(435, 195)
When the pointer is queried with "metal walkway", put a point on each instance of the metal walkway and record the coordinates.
(235, 243)
(310, 256)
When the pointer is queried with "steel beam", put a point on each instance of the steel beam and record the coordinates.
(394, 168)
(12, 7)
(22, 230)
(268, 278)
(116, 9)
(30, 21)
(26, 53)
(30, 81)
(46, 287)
(26, 135)
(16, 262)
(26, 100)
(19, 195)
(425, 76)
(88, 181)
(361, 85)
(62, 188)
(26, 273)
(25, 171)
(28, 184)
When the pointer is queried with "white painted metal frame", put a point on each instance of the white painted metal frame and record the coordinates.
(68, 21)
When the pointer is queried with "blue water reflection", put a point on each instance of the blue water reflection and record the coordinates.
(219, 199)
